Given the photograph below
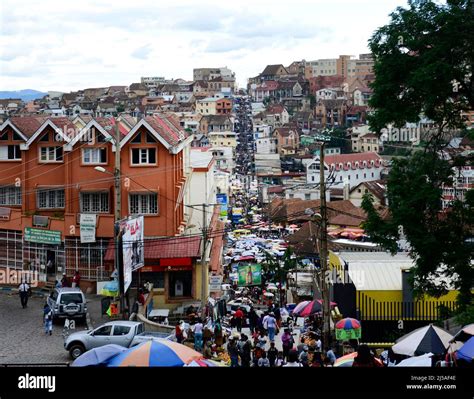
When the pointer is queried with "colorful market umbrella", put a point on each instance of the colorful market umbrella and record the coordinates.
(155, 353)
(205, 363)
(423, 340)
(347, 360)
(98, 356)
(467, 351)
(310, 308)
(348, 328)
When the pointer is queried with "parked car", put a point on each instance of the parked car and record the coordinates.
(67, 303)
(123, 333)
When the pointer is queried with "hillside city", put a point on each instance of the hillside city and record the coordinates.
(240, 222)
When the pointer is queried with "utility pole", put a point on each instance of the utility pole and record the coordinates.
(204, 282)
(118, 209)
(323, 252)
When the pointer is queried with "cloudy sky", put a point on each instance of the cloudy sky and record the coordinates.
(67, 45)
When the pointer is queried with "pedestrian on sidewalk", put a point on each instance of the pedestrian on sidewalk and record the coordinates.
(245, 350)
(198, 329)
(48, 319)
(233, 351)
(253, 319)
(272, 354)
(271, 326)
(239, 316)
(24, 290)
(76, 279)
(287, 343)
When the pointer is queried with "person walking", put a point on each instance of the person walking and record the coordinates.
(76, 279)
(245, 350)
(233, 351)
(198, 329)
(48, 319)
(287, 342)
(272, 354)
(303, 357)
(253, 320)
(239, 316)
(365, 358)
(24, 290)
(178, 332)
(293, 360)
(271, 326)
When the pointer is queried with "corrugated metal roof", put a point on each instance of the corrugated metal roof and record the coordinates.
(377, 271)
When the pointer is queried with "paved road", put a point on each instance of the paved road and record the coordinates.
(22, 335)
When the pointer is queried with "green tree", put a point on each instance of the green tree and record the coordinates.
(438, 240)
(276, 269)
(423, 66)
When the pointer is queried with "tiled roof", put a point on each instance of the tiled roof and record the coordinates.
(165, 127)
(275, 109)
(28, 125)
(272, 69)
(353, 161)
(162, 248)
(286, 131)
(377, 187)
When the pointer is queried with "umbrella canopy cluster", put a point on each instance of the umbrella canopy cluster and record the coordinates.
(153, 353)
(156, 353)
(348, 360)
(428, 339)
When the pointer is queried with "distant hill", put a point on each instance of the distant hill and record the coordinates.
(25, 95)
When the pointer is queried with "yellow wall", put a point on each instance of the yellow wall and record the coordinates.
(379, 304)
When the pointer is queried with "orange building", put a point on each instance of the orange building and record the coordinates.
(224, 106)
(49, 177)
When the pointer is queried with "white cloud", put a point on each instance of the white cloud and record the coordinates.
(66, 45)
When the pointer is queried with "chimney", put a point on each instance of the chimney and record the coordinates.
(346, 190)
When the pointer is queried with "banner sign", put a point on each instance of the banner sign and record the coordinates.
(133, 247)
(250, 274)
(222, 201)
(42, 236)
(88, 224)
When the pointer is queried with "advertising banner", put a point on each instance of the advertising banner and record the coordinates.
(222, 201)
(250, 274)
(133, 247)
(88, 224)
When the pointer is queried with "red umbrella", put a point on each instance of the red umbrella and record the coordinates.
(311, 308)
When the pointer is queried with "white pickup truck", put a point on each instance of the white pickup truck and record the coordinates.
(123, 333)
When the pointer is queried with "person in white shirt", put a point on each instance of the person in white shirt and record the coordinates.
(293, 360)
(198, 328)
(23, 290)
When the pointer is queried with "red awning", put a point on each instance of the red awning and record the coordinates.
(161, 248)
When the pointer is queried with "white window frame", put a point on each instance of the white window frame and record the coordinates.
(89, 204)
(140, 204)
(54, 198)
(50, 150)
(141, 156)
(10, 196)
(94, 155)
(4, 150)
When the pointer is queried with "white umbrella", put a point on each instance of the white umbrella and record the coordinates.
(423, 340)
(416, 361)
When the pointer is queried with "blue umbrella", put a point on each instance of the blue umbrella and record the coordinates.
(98, 356)
(467, 350)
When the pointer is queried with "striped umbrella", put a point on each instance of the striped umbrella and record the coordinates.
(156, 353)
(348, 328)
(310, 308)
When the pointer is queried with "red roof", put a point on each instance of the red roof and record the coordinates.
(162, 248)
(349, 160)
(28, 125)
(165, 128)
